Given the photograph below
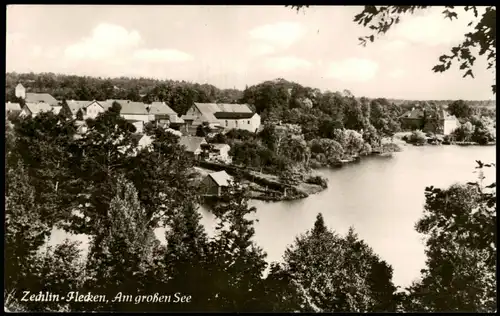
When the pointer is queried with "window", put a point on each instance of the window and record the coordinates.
(236, 123)
(226, 123)
(248, 121)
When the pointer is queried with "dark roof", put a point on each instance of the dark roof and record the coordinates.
(40, 97)
(234, 115)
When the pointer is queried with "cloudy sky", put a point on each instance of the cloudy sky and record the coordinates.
(234, 46)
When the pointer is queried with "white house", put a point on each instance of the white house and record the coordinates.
(93, 109)
(239, 120)
(133, 111)
(220, 152)
(12, 107)
(20, 91)
(227, 116)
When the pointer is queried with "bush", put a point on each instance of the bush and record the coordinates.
(418, 138)
(318, 180)
(390, 148)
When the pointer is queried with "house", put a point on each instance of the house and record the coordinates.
(192, 144)
(413, 119)
(217, 152)
(132, 111)
(92, 109)
(39, 98)
(20, 91)
(56, 109)
(214, 184)
(160, 110)
(33, 109)
(242, 116)
(12, 107)
(239, 120)
(139, 125)
(143, 140)
(418, 118)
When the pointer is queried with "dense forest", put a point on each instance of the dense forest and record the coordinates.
(104, 186)
(71, 87)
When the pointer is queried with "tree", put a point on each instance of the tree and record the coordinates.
(460, 109)
(464, 132)
(59, 268)
(338, 274)
(418, 137)
(460, 228)
(44, 144)
(96, 159)
(380, 19)
(65, 110)
(186, 258)
(79, 115)
(237, 263)
(25, 233)
(121, 250)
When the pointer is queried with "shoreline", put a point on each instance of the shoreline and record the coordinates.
(269, 188)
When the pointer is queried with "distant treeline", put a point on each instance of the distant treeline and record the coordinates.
(445, 103)
(178, 94)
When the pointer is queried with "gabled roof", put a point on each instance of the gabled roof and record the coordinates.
(75, 105)
(134, 108)
(238, 108)
(233, 115)
(209, 109)
(40, 97)
(192, 143)
(19, 85)
(160, 108)
(221, 178)
(56, 109)
(173, 118)
(12, 106)
(128, 107)
(36, 108)
(416, 113)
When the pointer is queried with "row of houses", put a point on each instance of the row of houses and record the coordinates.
(219, 117)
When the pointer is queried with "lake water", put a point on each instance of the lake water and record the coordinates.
(382, 198)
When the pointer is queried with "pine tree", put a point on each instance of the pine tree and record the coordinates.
(337, 274)
(79, 115)
(121, 251)
(65, 110)
(186, 259)
(25, 233)
(237, 263)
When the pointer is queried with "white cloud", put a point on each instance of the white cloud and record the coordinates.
(432, 28)
(352, 69)
(281, 34)
(162, 55)
(262, 49)
(107, 41)
(287, 63)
